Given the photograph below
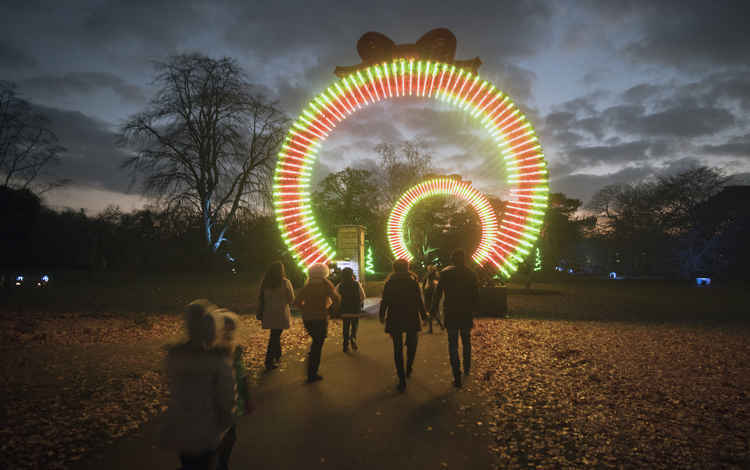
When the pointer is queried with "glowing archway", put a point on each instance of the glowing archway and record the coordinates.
(519, 150)
(450, 187)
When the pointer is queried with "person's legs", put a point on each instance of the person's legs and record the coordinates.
(270, 351)
(411, 350)
(277, 344)
(225, 448)
(453, 354)
(353, 335)
(202, 461)
(466, 347)
(318, 330)
(346, 326)
(398, 358)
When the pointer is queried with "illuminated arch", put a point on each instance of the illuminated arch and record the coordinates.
(519, 150)
(450, 187)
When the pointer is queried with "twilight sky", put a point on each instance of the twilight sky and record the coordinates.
(617, 90)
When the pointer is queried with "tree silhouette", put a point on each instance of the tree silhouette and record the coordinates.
(27, 145)
(206, 141)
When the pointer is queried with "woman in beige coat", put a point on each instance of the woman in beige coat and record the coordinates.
(276, 295)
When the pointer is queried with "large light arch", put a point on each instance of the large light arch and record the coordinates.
(518, 148)
(448, 187)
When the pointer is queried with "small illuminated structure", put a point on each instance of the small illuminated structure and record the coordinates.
(703, 281)
(19, 280)
(538, 260)
(613, 275)
(427, 70)
(369, 263)
(485, 252)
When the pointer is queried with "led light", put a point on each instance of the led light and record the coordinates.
(502, 244)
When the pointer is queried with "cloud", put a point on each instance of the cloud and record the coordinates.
(620, 153)
(92, 158)
(735, 147)
(83, 83)
(12, 56)
(638, 94)
(584, 185)
(691, 34)
(92, 199)
(686, 121)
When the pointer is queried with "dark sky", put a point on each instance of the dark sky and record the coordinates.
(617, 90)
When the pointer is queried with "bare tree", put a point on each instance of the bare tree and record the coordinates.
(206, 141)
(27, 145)
(402, 165)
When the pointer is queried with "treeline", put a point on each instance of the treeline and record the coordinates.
(690, 224)
(150, 240)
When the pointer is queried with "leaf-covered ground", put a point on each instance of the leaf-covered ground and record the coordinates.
(553, 394)
(71, 384)
(574, 394)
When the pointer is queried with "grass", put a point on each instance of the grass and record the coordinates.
(625, 300)
(632, 301)
(131, 295)
(589, 299)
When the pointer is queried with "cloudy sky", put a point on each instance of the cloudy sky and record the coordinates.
(617, 90)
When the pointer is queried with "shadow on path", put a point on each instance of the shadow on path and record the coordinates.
(354, 418)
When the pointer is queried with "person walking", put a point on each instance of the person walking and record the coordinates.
(202, 387)
(429, 284)
(316, 299)
(276, 295)
(352, 298)
(401, 309)
(460, 286)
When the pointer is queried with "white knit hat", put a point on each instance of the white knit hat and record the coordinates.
(318, 271)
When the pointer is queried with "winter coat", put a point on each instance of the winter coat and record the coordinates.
(352, 296)
(202, 398)
(315, 299)
(461, 288)
(276, 302)
(401, 306)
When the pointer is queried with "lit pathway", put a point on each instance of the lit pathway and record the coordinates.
(353, 419)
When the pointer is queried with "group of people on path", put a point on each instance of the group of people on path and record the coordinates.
(209, 384)
(402, 307)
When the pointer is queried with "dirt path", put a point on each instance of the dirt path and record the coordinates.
(354, 418)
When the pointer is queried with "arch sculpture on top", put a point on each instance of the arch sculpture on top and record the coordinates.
(416, 76)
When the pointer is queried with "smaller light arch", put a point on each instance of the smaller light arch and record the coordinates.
(448, 187)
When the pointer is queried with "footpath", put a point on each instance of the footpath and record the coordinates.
(353, 419)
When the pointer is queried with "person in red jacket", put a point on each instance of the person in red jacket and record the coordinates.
(460, 286)
(401, 309)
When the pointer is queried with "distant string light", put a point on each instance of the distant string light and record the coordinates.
(518, 149)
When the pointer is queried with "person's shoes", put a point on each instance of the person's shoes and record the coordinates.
(467, 372)
(354, 345)
(314, 378)
(401, 386)
(271, 366)
(346, 348)
(457, 382)
(408, 372)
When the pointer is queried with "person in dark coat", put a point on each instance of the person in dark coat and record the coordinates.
(352, 297)
(460, 286)
(401, 309)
